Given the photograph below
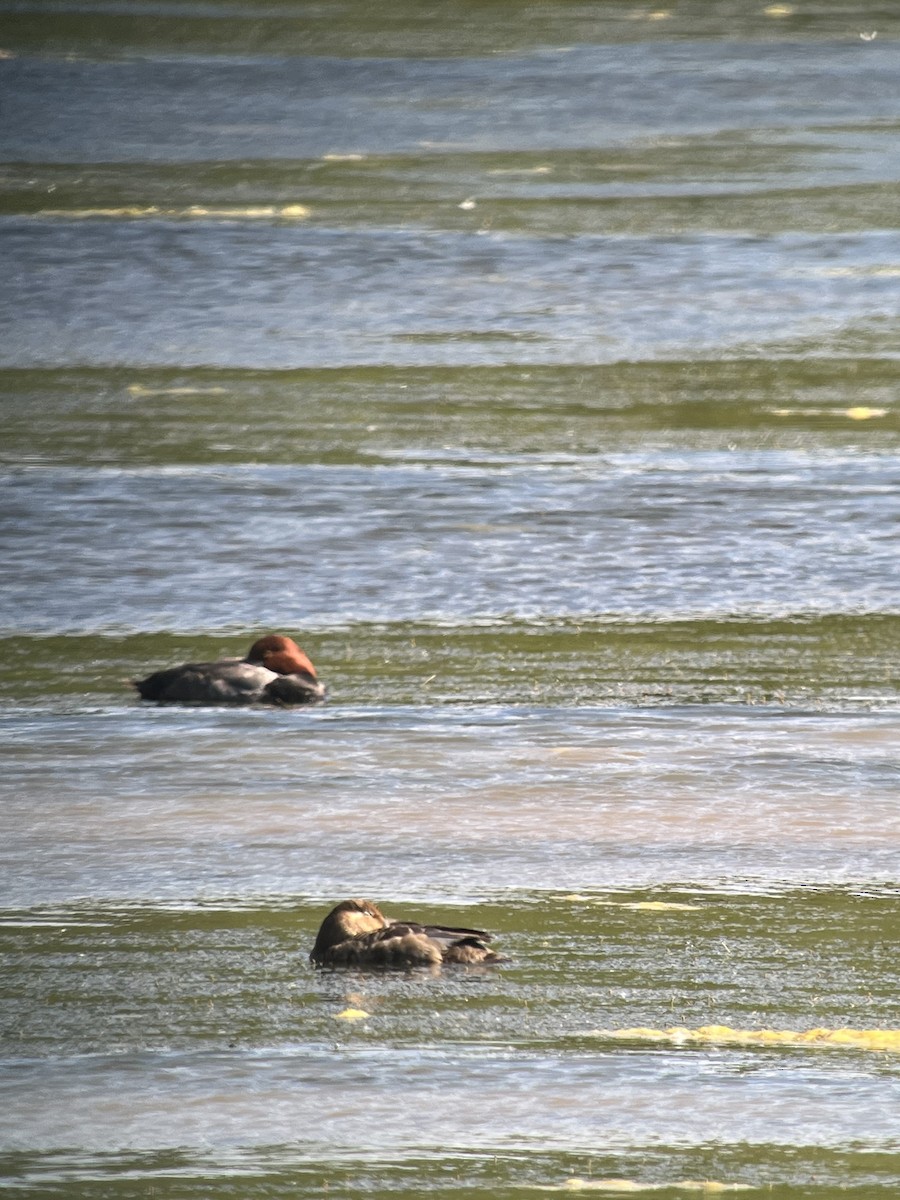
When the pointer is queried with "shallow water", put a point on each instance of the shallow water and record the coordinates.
(535, 367)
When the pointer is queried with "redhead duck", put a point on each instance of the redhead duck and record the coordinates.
(275, 671)
(357, 934)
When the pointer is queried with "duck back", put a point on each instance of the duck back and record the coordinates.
(231, 681)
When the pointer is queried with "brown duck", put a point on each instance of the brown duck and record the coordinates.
(357, 934)
(274, 671)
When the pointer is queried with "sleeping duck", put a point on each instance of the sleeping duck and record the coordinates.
(357, 934)
(275, 671)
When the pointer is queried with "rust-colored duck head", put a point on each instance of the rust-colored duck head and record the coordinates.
(280, 654)
(357, 934)
(297, 682)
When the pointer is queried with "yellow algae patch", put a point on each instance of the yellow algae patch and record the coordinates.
(286, 212)
(75, 214)
(779, 10)
(542, 170)
(138, 389)
(264, 212)
(724, 1035)
(635, 905)
(351, 1014)
(862, 413)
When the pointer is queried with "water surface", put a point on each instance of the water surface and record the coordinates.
(534, 366)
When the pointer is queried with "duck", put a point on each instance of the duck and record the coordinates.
(357, 934)
(274, 671)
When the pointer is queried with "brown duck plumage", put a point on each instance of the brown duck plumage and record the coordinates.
(274, 671)
(357, 934)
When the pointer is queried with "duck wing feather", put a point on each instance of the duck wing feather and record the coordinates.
(409, 944)
(231, 681)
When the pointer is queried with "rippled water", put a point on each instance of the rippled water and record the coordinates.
(534, 366)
